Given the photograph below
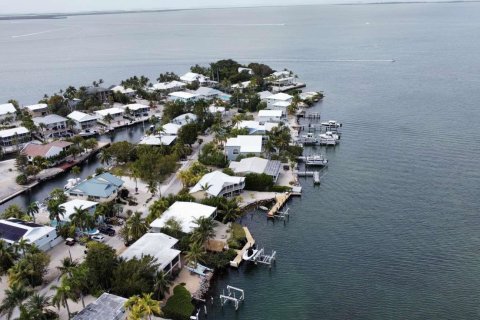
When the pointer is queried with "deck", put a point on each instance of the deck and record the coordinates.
(250, 242)
(280, 201)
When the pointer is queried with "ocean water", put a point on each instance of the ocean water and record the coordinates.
(393, 230)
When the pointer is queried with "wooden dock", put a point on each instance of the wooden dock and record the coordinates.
(250, 242)
(280, 201)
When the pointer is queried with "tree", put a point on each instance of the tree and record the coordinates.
(55, 210)
(134, 276)
(31, 268)
(136, 226)
(76, 170)
(21, 162)
(82, 219)
(14, 297)
(63, 293)
(105, 157)
(37, 307)
(152, 187)
(7, 257)
(230, 210)
(188, 133)
(195, 253)
(14, 211)
(167, 77)
(67, 265)
(161, 285)
(204, 231)
(101, 259)
(79, 281)
(142, 307)
(107, 118)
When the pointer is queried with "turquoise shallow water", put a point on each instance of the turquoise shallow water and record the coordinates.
(393, 230)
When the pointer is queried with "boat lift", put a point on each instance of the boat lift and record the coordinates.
(231, 295)
(282, 215)
(263, 258)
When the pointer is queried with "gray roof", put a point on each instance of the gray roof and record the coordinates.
(103, 185)
(106, 307)
(50, 119)
(95, 90)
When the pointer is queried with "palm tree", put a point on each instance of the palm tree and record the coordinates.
(161, 284)
(136, 226)
(195, 253)
(141, 307)
(108, 118)
(79, 281)
(66, 266)
(37, 308)
(55, 210)
(152, 187)
(14, 297)
(230, 211)
(204, 231)
(105, 157)
(82, 219)
(63, 293)
(7, 257)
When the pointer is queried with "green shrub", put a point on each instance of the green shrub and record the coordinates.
(258, 182)
(219, 260)
(21, 179)
(212, 156)
(179, 306)
(280, 189)
(237, 238)
(228, 171)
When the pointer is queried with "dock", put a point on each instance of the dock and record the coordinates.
(280, 201)
(250, 242)
(316, 177)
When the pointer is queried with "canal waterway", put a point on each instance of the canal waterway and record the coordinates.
(393, 230)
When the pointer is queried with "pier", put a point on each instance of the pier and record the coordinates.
(316, 177)
(250, 242)
(280, 201)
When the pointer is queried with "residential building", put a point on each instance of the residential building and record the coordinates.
(256, 127)
(241, 85)
(264, 95)
(7, 110)
(185, 213)
(158, 245)
(47, 151)
(168, 87)
(243, 69)
(115, 113)
(70, 206)
(185, 118)
(278, 97)
(83, 120)
(100, 93)
(214, 109)
(137, 110)
(256, 165)
(107, 307)
(52, 126)
(126, 91)
(191, 77)
(103, 187)
(206, 93)
(270, 115)
(37, 110)
(182, 96)
(171, 129)
(158, 140)
(14, 230)
(243, 145)
(217, 184)
(14, 137)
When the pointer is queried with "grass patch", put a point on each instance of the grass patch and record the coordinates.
(121, 170)
(237, 238)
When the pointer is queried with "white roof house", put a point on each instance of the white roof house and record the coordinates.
(256, 165)
(217, 184)
(241, 85)
(158, 245)
(35, 107)
(270, 115)
(281, 74)
(122, 89)
(114, 112)
(264, 95)
(215, 109)
(279, 97)
(13, 230)
(77, 203)
(168, 85)
(244, 69)
(243, 145)
(158, 140)
(171, 129)
(7, 108)
(190, 77)
(185, 118)
(184, 213)
(78, 116)
(182, 96)
(256, 127)
(13, 131)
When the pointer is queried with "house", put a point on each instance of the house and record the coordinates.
(241, 85)
(116, 114)
(82, 120)
(278, 97)
(217, 184)
(182, 96)
(158, 140)
(107, 307)
(47, 151)
(70, 206)
(256, 165)
(247, 70)
(280, 74)
(7, 110)
(214, 109)
(206, 93)
(256, 127)
(270, 115)
(191, 77)
(280, 105)
(14, 137)
(243, 145)
(101, 94)
(185, 213)
(137, 110)
(185, 118)
(14, 230)
(52, 126)
(126, 91)
(171, 129)
(168, 87)
(158, 245)
(37, 110)
(103, 187)
(264, 95)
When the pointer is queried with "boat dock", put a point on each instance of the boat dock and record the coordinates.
(316, 177)
(250, 242)
(280, 201)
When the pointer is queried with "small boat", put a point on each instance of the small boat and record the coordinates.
(71, 183)
(308, 139)
(329, 139)
(249, 254)
(331, 124)
(316, 160)
(263, 208)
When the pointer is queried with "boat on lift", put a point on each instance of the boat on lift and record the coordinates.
(250, 253)
(332, 124)
(329, 138)
(316, 160)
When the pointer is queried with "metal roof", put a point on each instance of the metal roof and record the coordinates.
(106, 307)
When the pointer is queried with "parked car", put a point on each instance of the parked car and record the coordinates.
(98, 238)
(70, 241)
(107, 230)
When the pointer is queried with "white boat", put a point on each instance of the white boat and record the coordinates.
(249, 254)
(331, 124)
(329, 138)
(71, 183)
(263, 208)
(316, 160)
(308, 139)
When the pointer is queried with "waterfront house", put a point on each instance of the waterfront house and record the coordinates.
(240, 86)
(256, 165)
(14, 230)
(52, 126)
(137, 110)
(99, 93)
(243, 145)
(14, 137)
(263, 95)
(171, 129)
(158, 140)
(217, 184)
(37, 110)
(83, 120)
(206, 93)
(158, 245)
(103, 187)
(191, 77)
(185, 214)
(278, 97)
(256, 127)
(168, 87)
(214, 109)
(7, 111)
(182, 96)
(70, 206)
(115, 113)
(244, 69)
(185, 118)
(129, 92)
(51, 150)
(270, 115)
(107, 307)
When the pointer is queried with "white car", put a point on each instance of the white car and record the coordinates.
(98, 238)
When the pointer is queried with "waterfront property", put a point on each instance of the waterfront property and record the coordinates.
(137, 110)
(263, 95)
(158, 140)
(116, 114)
(256, 127)
(257, 165)
(182, 96)
(217, 184)
(270, 115)
(49, 150)
(185, 214)
(214, 109)
(171, 129)
(7, 111)
(14, 230)
(243, 145)
(83, 121)
(185, 118)
(101, 94)
(129, 92)
(275, 99)
(240, 86)
(158, 245)
(192, 77)
(206, 93)
(52, 126)
(37, 110)
(103, 187)
(70, 206)
(107, 307)
(168, 87)
(15, 137)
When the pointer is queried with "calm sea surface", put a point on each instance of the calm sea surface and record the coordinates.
(393, 232)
